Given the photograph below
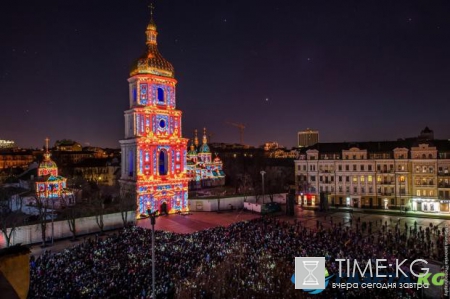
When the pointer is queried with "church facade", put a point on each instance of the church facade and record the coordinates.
(203, 171)
(153, 151)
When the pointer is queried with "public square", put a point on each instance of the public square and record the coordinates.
(232, 254)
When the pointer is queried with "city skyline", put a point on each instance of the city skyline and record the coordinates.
(354, 72)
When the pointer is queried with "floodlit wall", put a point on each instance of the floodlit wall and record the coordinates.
(208, 205)
(30, 234)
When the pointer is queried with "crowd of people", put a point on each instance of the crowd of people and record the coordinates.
(252, 259)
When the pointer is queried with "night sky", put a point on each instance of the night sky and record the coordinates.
(354, 70)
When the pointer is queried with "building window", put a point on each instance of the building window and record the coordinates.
(362, 179)
(369, 179)
(313, 178)
(362, 167)
(347, 167)
(163, 162)
(340, 178)
(370, 167)
(347, 179)
(340, 167)
(130, 163)
(354, 167)
(355, 189)
(160, 95)
(134, 94)
(418, 192)
(392, 201)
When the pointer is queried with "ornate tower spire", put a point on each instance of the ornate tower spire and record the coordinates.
(47, 153)
(192, 145)
(151, 28)
(152, 62)
(205, 139)
(195, 138)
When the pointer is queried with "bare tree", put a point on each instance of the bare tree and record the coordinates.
(73, 213)
(99, 209)
(127, 203)
(9, 220)
(42, 206)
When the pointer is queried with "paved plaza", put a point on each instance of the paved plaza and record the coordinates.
(309, 219)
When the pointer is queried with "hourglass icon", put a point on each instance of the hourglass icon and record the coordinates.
(310, 279)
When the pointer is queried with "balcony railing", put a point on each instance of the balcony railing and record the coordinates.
(386, 183)
(443, 185)
(386, 171)
(385, 193)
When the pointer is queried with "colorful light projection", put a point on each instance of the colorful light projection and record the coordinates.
(201, 166)
(157, 164)
(49, 184)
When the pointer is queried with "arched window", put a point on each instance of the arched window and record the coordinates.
(430, 156)
(134, 95)
(130, 163)
(163, 162)
(160, 95)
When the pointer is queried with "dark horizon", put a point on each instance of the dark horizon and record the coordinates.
(352, 71)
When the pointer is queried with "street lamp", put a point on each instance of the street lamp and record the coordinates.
(262, 175)
(53, 210)
(153, 222)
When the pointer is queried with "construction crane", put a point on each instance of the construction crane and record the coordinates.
(241, 128)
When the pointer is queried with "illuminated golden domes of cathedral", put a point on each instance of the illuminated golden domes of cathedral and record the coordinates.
(152, 62)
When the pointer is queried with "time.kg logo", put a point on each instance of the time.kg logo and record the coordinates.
(310, 274)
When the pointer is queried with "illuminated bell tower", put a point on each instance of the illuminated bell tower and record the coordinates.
(153, 151)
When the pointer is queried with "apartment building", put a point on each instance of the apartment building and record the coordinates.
(411, 174)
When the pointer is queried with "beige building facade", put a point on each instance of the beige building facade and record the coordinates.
(408, 174)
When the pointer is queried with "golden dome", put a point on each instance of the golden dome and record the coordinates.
(152, 62)
(151, 25)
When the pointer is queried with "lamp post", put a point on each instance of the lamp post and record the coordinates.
(262, 175)
(153, 222)
(53, 211)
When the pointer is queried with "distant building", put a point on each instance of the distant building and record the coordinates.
(202, 170)
(274, 150)
(67, 145)
(16, 159)
(269, 146)
(103, 171)
(307, 138)
(7, 144)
